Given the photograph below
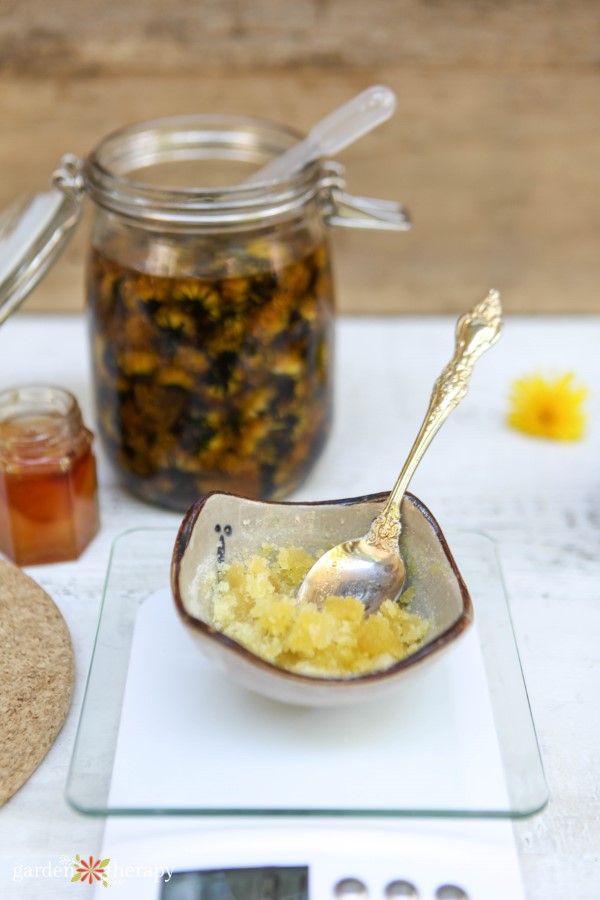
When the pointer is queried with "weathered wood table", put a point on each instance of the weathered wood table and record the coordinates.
(539, 500)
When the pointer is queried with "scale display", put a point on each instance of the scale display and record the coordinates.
(271, 883)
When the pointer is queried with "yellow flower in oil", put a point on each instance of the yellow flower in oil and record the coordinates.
(548, 408)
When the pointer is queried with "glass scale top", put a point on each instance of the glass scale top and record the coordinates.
(163, 731)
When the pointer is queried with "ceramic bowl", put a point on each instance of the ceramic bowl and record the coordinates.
(221, 527)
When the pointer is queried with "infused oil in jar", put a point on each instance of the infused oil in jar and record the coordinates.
(211, 318)
(210, 299)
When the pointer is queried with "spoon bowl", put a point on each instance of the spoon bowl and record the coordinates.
(356, 568)
(222, 527)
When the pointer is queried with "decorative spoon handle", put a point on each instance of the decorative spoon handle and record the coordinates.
(476, 331)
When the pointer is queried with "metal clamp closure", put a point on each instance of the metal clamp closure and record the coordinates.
(348, 211)
(68, 177)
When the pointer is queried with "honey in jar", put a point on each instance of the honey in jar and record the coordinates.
(48, 488)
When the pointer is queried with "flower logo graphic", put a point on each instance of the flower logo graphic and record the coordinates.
(90, 870)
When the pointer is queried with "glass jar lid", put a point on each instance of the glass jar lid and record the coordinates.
(34, 232)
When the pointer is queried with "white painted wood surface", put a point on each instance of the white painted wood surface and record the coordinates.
(539, 500)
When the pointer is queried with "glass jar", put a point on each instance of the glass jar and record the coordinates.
(48, 488)
(210, 299)
(211, 317)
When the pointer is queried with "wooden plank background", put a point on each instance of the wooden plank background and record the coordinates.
(495, 146)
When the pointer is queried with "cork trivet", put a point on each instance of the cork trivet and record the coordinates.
(36, 676)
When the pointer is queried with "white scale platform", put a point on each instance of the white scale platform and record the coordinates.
(372, 801)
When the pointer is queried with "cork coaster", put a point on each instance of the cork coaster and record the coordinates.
(37, 672)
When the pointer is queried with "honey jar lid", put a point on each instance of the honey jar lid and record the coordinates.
(33, 233)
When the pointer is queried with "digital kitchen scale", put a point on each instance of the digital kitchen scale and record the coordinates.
(242, 797)
(184, 859)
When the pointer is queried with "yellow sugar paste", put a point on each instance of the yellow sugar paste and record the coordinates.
(254, 603)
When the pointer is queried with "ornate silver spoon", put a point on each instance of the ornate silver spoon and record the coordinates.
(371, 568)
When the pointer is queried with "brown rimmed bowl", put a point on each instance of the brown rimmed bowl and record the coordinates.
(222, 527)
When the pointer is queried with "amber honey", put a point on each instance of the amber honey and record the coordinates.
(48, 487)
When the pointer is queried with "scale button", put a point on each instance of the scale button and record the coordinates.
(351, 889)
(450, 892)
(401, 889)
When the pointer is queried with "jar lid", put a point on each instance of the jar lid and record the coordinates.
(34, 232)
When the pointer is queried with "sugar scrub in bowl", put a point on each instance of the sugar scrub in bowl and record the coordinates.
(238, 562)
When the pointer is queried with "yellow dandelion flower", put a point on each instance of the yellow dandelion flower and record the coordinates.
(548, 408)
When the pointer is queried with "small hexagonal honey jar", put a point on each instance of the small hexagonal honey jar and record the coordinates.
(48, 488)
